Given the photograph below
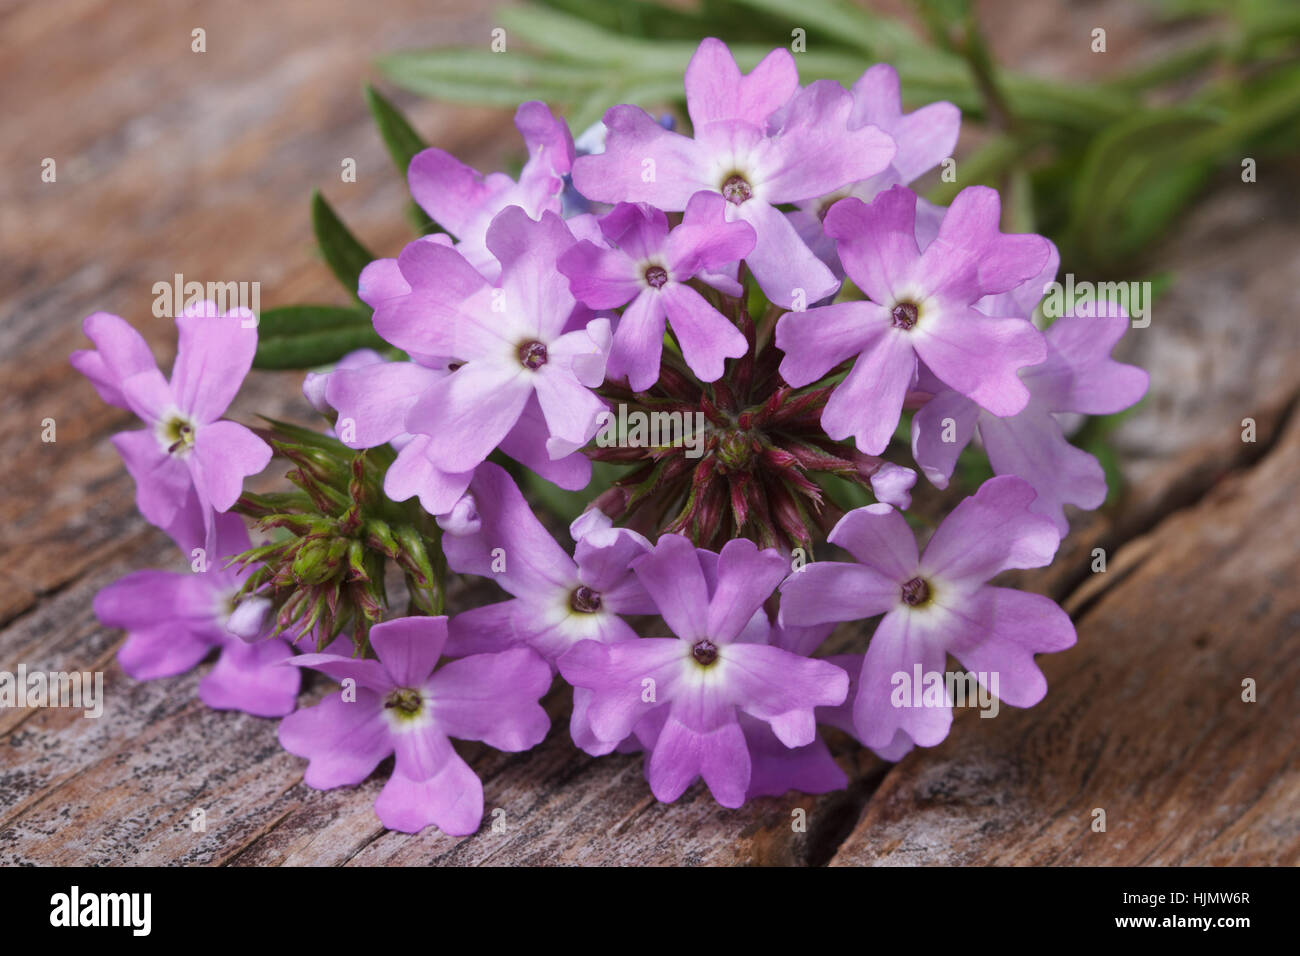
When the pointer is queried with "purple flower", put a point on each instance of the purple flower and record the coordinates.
(523, 339)
(924, 138)
(315, 383)
(687, 694)
(935, 604)
(400, 704)
(174, 620)
(557, 600)
(186, 444)
(755, 165)
(464, 201)
(373, 396)
(1078, 376)
(649, 266)
(776, 768)
(920, 308)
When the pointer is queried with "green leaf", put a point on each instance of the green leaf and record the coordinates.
(306, 436)
(1131, 179)
(291, 320)
(305, 336)
(345, 255)
(403, 142)
(316, 348)
(490, 79)
(880, 37)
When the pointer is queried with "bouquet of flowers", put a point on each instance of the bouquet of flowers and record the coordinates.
(730, 322)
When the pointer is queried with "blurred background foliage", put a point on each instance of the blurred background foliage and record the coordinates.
(1101, 167)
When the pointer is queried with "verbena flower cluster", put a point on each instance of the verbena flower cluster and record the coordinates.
(770, 284)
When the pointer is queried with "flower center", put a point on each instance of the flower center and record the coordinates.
(406, 701)
(532, 355)
(916, 592)
(904, 315)
(656, 276)
(705, 652)
(178, 435)
(736, 189)
(584, 600)
(736, 450)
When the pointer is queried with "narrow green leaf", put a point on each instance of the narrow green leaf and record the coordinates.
(304, 436)
(346, 256)
(315, 348)
(1133, 178)
(492, 79)
(291, 320)
(880, 37)
(403, 142)
(305, 336)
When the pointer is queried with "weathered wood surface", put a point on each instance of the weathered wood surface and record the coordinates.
(171, 162)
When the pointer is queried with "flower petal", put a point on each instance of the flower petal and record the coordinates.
(877, 242)
(1079, 374)
(120, 352)
(706, 336)
(511, 546)
(1032, 446)
(642, 162)
(493, 698)
(376, 399)
(990, 532)
(451, 799)
(248, 677)
(783, 689)
(639, 341)
(225, 453)
(600, 278)
(814, 152)
(980, 355)
(887, 700)
(681, 754)
(213, 355)
(879, 538)
(816, 341)
(672, 575)
(746, 577)
(830, 591)
(716, 89)
(630, 679)
(162, 482)
(343, 742)
(409, 647)
(1012, 626)
(777, 768)
(949, 414)
(414, 473)
(470, 411)
(788, 272)
(868, 404)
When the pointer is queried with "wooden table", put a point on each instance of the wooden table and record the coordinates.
(170, 161)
